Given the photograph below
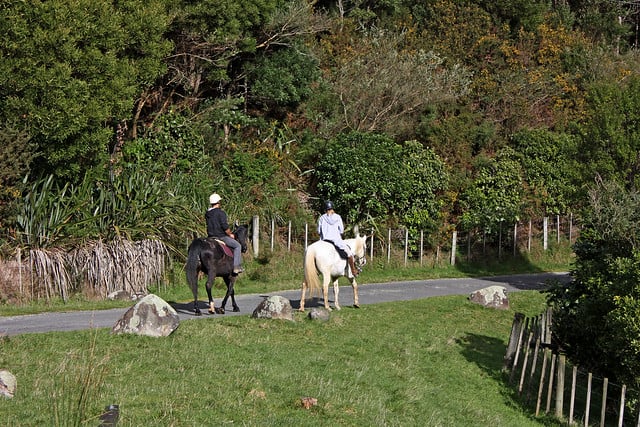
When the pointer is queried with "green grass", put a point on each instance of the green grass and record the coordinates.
(430, 362)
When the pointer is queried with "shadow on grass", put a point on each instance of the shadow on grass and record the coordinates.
(488, 354)
(493, 263)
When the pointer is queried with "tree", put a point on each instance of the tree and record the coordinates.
(610, 135)
(71, 70)
(282, 78)
(380, 87)
(16, 152)
(371, 178)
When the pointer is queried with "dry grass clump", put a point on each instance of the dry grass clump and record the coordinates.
(12, 282)
(95, 269)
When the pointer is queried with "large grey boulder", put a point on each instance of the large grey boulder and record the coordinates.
(8, 383)
(151, 316)
(492, 296)
(274, 307)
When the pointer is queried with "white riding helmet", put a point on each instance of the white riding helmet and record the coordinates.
(214, 198)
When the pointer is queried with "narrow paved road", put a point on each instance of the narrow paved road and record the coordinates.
(369, 294)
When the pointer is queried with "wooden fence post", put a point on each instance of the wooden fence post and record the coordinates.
(516, 328)
(622, 399)
(519, 345)
(389, 247)
(453, 247)
(550, 388)
(570, 228)
(572, 402)
(562, 360)
(545, 233)
(525, 362)
(543, 372)
(255, 240)
(588, 402)
(406, 246)
(273, 232)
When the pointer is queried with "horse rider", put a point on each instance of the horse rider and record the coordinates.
(330, 229)
(218, 227)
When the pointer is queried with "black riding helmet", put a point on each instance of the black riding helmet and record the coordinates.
(328, 205)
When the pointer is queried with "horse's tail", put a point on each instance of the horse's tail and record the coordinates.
(310, 271)
(191, 268)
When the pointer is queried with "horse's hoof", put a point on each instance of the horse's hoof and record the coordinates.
(220, 310)
(211, 311)
(236, 309)
(197, 313)
(356, 305)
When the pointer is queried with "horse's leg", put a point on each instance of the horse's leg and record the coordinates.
(302, 297)
(354, 285)
(336, 291)
(231, 290)
(210, 278)
(325, 289)
(230, 282)
(192, 279)
(223, 304)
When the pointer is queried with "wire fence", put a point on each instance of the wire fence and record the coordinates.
(419, 247)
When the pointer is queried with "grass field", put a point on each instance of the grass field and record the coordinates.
(430, 362)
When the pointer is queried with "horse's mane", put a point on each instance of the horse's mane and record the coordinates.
(357, 243)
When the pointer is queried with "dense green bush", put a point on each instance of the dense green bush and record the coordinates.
(372, 179)
(495, 197)
(596, 315)
(550, 169)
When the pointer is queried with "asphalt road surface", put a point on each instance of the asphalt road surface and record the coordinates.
(370, 293)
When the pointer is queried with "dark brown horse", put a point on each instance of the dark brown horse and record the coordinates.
(209, 256)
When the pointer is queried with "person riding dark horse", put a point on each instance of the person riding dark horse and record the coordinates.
(330, 229)
(218, 227)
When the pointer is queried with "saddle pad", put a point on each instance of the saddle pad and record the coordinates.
(227, 250)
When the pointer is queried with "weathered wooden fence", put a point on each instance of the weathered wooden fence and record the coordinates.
(519, 237)
(539, 372)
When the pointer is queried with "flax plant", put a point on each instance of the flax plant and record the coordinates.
(45, 213)
(101, 236)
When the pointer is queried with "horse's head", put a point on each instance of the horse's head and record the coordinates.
(360, 248)
(241, 234)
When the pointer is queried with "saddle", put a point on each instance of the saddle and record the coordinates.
(226, 249)
(341, 252)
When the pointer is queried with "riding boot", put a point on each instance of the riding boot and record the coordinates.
(352, 265)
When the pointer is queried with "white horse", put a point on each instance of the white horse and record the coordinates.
(323, 258)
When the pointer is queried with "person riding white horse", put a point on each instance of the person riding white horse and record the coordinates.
(330, 229)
